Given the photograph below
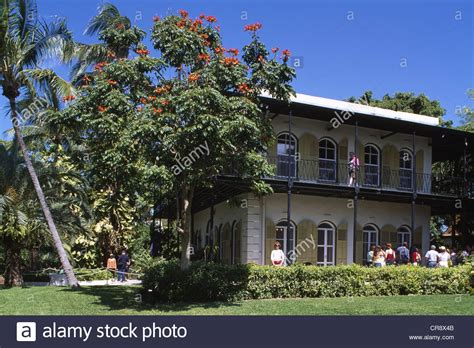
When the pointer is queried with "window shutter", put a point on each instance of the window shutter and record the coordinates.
(304, 247)
(341, 248)
(417, 237)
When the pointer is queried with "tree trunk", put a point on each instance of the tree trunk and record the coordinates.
(12, 263)
(187, 197)
(71, 277)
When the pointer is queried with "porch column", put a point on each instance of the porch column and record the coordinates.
(352, 239)
(413, 199)
(252, 231)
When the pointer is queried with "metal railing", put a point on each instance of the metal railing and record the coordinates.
(384, 178)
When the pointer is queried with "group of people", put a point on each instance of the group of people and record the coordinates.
(119, 266)
(379, 256)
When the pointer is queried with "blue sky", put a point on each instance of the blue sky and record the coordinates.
(346, 47)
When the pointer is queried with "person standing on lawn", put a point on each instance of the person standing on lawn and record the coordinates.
(123, 263)
(389, 254)
(370, 256)
(403, 254)
(112, 265)
(379, 257)
(277, 256)
(443, 257)
(415, 257)
(432, 257)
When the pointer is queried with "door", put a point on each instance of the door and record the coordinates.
(325, 245)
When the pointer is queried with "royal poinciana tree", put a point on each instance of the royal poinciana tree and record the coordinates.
(141, 117)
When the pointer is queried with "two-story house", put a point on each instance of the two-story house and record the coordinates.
(314, 212)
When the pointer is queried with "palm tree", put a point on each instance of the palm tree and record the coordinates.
(104, 23)
(24, 41)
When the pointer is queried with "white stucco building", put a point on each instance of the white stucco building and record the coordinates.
(332, 222)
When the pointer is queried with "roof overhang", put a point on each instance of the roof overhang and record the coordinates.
(447, 143)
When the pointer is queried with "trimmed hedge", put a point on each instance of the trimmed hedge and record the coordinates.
(165, 282)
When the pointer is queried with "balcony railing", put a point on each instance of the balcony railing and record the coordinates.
(372, 177)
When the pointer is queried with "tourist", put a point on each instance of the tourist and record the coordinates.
(353, 167)
(443, 257)
(415, 257)
(403, 254)
(123, 264)
(112, 265)
(370, 255)
(454, 257)
(379, 257)
(277, 256)
(432, 257)
(389, 254)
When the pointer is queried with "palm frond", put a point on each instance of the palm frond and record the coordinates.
(108, 14)
(86, 56)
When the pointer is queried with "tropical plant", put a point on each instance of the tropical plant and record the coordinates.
(24, 41)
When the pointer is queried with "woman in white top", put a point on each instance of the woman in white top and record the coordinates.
(443, 257)
(277, 256)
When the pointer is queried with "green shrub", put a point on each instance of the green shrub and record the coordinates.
(165, 282)
(85, 274)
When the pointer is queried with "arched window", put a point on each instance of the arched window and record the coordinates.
(371, 165)
(406, 169)
(325, 252)
(327, 160)
(286, 237)
(286, 154)
(370, 237)
(404, 235)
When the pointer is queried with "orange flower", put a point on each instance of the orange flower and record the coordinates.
(112, 82)
(231, 61)
(211, 19)
(197, 22)
(183, 13)
(151, 98)
(68, 98)
(202, 16)
(204, 57)
(253, 27)
(181, 23)
(99, 66)
(193, 77)
(275, 49)
(243, 88)
(102, 108)
(165, 102)
(110, 54)
(158, 111)
(261, 59)
(285, 55)
(219, 50)
(156, 18)
(120, 26)
(142, 52)
(143, 100)
(233, 51)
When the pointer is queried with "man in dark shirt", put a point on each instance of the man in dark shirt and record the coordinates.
(123, 263)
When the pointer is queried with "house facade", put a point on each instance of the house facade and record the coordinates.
(316, 214)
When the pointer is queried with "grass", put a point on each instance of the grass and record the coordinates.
(126, 301)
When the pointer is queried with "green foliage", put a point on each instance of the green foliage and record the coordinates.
(210, 282)
(404, 101)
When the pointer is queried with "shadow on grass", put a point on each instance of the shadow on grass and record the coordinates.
(129, 298)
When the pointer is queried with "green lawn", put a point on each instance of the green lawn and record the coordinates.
(125, 300)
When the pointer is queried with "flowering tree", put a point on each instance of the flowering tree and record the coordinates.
(180, 118)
